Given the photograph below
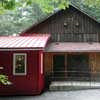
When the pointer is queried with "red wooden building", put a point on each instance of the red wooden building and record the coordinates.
(21, 59)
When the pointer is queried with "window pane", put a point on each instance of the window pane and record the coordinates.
(75, 37)
(19, 64)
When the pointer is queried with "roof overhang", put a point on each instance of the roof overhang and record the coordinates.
(73, 47)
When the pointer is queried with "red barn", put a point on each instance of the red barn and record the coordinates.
(21, 59)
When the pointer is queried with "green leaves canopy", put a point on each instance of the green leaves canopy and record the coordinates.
(18, 15)
(46, 5)
(92, 3)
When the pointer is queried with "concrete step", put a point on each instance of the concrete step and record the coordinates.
(73, 85)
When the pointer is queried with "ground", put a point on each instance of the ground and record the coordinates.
(61, 95)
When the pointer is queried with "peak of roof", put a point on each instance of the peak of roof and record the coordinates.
(78, 7)
(73, 4)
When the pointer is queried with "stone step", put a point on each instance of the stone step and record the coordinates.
(73, 85)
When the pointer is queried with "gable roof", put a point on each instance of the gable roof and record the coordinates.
(73, 4)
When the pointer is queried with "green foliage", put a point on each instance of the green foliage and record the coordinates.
(92, 3)
(14, 22)
(91, 7)
(14, 19)
(63, 4)
(8, 4)
(46, 5)
(18, 15)
(4, 80)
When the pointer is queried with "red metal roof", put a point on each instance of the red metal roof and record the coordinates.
(73, 47)
(34, 41)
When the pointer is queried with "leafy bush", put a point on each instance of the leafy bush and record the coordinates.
(4, 80)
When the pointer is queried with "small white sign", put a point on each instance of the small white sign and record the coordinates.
(1, 67)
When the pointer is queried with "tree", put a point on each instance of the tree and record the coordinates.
(92, 3)
(24, 13)
(46, 5)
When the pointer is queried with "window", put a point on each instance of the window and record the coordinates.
(19, 63)
(75, 37)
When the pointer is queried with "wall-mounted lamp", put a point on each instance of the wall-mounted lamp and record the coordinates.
(77, 24)
(65, 24)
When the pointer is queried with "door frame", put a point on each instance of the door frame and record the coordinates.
(59, 55)
(65, 63)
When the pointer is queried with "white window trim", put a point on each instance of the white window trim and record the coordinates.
(14, 63)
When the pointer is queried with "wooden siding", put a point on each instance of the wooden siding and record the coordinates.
(95, 64)
(67, 21)
(47, 63)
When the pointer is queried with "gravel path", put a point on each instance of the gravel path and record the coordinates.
(63, 95)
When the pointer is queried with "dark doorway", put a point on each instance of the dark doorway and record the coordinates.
(78, 66)
(58, 66)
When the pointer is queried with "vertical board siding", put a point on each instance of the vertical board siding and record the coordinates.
(72, 16)
(94, 61)
(23, 84)
(47, 63)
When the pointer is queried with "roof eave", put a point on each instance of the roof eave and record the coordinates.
(21, 49)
